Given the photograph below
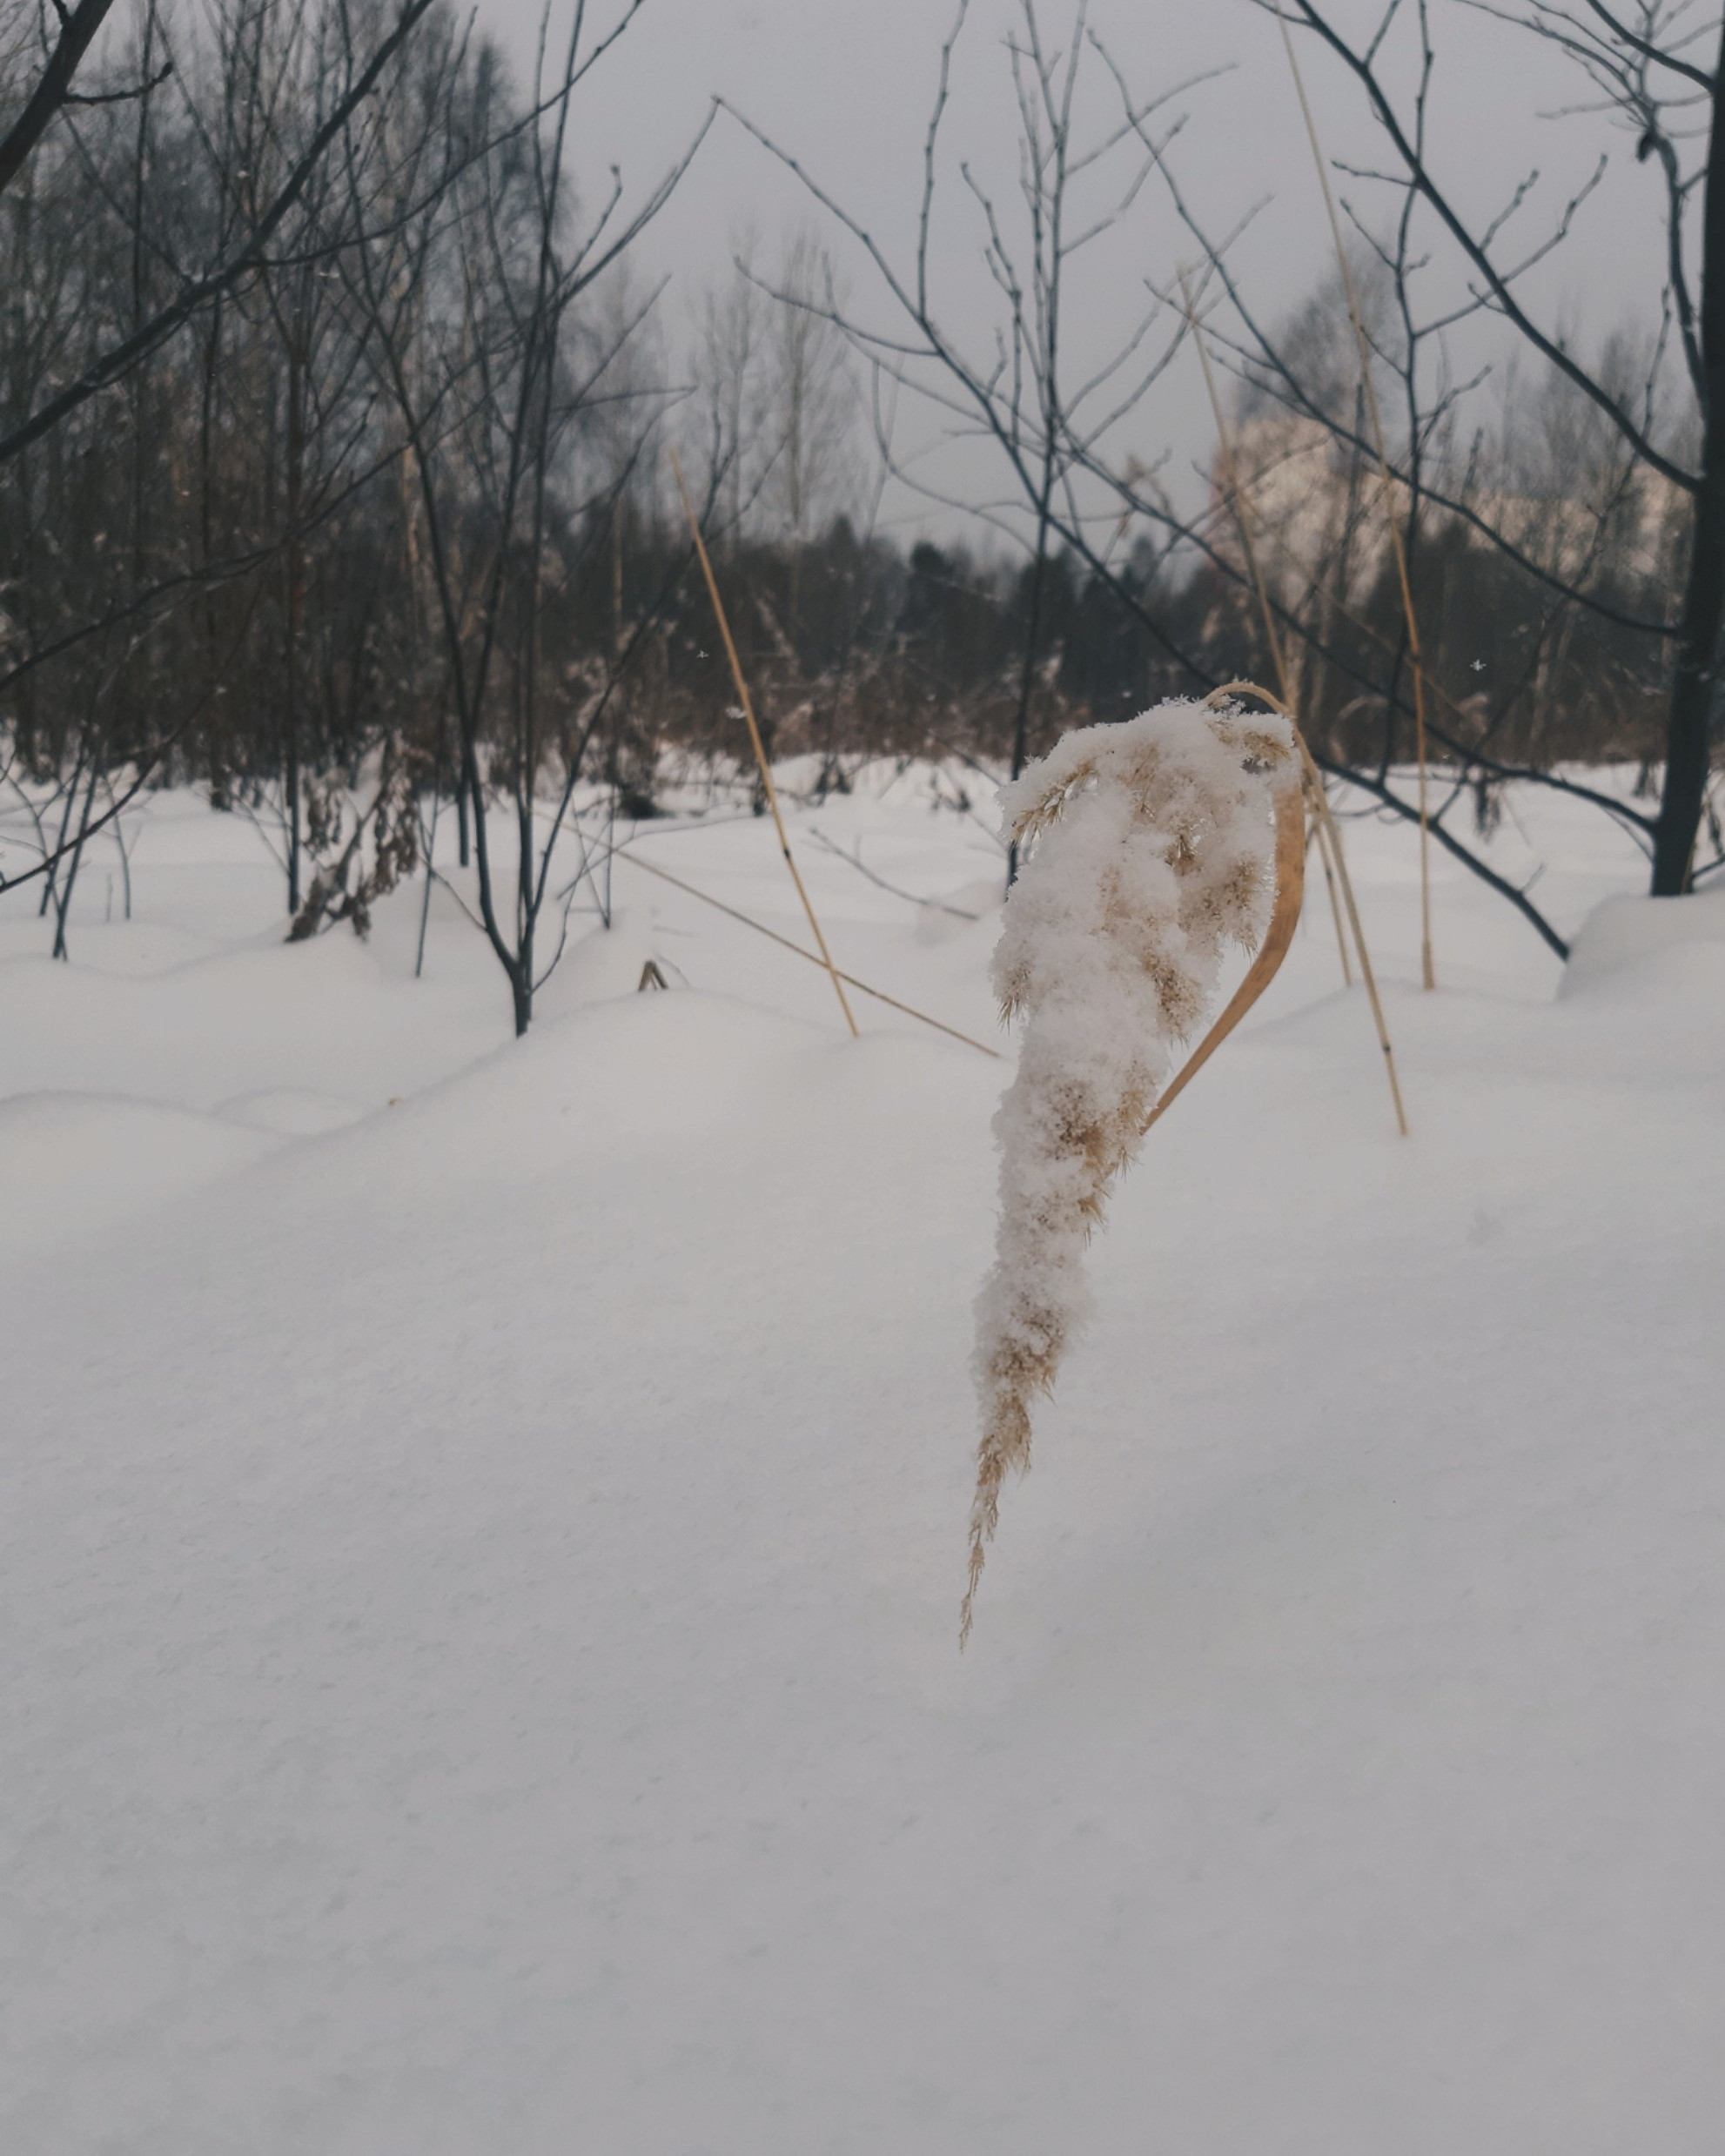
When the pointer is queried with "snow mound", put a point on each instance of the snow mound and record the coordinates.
(137, 948)
(1622, 932)
(291, 1111)
(333, 1016)
(72, 1164)
(605, 962)
(940, 919)
(476, 1592)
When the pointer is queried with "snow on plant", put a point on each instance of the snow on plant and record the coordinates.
(1153, 849)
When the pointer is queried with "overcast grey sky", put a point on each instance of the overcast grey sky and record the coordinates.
(846, 88)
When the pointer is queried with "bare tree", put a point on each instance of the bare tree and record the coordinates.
(1642, 64)
(126, 228)
(247, 252)
(491, 417)
(1018, 396)
(52, 92)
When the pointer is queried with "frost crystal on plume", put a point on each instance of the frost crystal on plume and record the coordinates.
(1153, 851)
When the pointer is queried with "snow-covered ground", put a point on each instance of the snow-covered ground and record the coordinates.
(484, 1525)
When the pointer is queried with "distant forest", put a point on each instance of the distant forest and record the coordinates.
(333, 435)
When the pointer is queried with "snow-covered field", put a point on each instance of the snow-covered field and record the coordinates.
(484, 1525)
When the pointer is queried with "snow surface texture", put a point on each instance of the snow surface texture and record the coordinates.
(476, 1586)
(1151, 851)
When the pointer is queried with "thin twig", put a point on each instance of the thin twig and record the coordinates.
(814, 957)
(854, 860)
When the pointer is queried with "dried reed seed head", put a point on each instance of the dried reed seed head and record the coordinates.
(1150, 851)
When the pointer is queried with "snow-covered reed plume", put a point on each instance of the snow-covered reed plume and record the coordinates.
(1154, 850)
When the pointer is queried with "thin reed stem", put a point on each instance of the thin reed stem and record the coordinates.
(1251, 689)
(761, 764)
(1318, 800)
(1242, 517)
(1428, 972)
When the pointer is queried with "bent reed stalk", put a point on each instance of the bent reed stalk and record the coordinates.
(1314, 788)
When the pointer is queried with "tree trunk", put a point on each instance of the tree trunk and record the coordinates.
(1689, 725)
(296, 455)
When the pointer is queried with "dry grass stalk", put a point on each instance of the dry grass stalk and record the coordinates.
(761, 765)
(1319, 800)
(1239, 504)
(1153, 855)
(1374, 417)
(1329, 832)
(1320, 834)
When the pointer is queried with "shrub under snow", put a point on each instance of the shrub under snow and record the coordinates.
(1152, 849)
